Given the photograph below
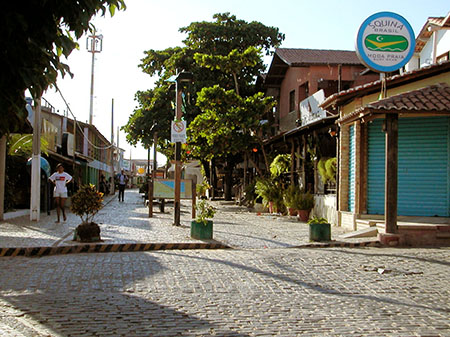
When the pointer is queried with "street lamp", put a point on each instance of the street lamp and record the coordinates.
(94, 44)
(183, 77)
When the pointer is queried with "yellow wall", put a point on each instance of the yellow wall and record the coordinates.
(361, 102)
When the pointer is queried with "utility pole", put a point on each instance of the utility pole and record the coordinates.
(94, 44)
(35, 205)
(183, 77)
(112, 148)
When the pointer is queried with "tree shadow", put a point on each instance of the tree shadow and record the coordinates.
(422, 259)
(312, 286)
(87, 302)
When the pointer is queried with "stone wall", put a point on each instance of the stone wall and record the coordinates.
(325, 207)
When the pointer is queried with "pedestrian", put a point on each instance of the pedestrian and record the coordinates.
(102, 184)
(122, 183)
(60, 179)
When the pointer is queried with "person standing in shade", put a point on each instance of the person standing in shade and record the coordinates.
(60, 179)
(122, 183)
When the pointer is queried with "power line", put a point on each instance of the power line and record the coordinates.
(79, 127)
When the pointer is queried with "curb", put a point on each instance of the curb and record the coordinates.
(105, 248)
(375, 243)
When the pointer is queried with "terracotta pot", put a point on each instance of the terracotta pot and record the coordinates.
(303, 214)
(292, 211)
(271, 208)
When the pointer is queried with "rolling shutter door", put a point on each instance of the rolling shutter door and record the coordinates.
(423, 169)
(351, 170)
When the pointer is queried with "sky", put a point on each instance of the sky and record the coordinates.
(151, 24)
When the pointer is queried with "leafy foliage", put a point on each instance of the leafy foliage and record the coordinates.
(327, 169)
(230, 50)
(35, 37)
(204, 211)
(22, 145)
(280, 164)
(305, 201)
(316, 221)
(291, 196)
(86, 203)
(269, 190)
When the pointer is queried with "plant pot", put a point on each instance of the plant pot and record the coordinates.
(271, 208)
(303, 214)
(320, 232)
(88, 232)
(292, 211)
(201, 231)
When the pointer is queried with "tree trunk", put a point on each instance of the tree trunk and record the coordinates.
(207, 171)
(228, 182)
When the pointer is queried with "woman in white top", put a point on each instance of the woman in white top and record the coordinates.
(60, 179)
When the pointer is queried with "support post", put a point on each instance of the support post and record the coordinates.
(194, 199)
(177, 203)
(35, 205)
(391, 169)
(2, 175)
(111, 187)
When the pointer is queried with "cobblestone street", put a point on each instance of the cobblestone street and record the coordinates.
(267, 292)
(128, 222)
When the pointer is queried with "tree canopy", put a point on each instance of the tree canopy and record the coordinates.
(36, 35)
(226, 51)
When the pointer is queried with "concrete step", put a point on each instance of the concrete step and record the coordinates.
(365, 223)
(362, 233)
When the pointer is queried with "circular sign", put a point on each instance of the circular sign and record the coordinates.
(385, 42)
(178, 127)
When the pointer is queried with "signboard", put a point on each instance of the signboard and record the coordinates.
(126, 165)
(385, 42)
(165, 189)
(178, 132)
(310, 110)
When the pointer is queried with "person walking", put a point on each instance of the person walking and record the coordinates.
(60, 179)
(122, 183)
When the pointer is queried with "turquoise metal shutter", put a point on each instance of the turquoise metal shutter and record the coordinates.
(351, 170)
(423, 169)
(423, 166)
(375, 171)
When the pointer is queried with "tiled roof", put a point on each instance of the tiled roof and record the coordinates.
(297, 57)
(395, 80)
(432, 98)
(425, 33)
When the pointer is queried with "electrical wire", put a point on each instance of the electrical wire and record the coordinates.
(79, 127)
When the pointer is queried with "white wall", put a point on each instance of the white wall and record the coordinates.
(325, 207)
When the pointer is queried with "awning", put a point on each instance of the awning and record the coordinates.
(45, 166)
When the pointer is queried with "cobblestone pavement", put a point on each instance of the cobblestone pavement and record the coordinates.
(128, 222)
(257, 292)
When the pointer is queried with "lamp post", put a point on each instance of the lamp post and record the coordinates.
(94, 44)
(183, 77)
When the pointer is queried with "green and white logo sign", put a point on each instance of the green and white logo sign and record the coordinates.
(385, 42)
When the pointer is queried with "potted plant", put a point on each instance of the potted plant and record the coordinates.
(201, 227)
(319, 229)
(86, 203)
(290, 197)
(304, 205)
(269, 191)
(202, 188)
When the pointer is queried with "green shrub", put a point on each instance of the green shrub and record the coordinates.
(316, 220)
(281, 164)
(86, 203)
(305, 201)
(290, 196)
(204, 211)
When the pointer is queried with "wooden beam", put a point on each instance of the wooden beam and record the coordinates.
(391, 175)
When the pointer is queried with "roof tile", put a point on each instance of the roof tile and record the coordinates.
(432, 98)
(298, 56)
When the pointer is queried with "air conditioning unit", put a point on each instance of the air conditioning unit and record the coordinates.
(67, 144)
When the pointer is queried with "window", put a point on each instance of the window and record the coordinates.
(292, 101)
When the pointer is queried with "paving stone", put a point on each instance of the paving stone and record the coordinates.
(253, 292)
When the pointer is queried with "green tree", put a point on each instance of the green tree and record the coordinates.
(35, 36)
(230, 50)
